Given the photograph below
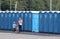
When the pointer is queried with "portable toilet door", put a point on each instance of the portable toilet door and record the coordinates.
(1, 16)
(35, 22)
(5, 20)
(51, 21)
(2, 20)
(29, 20)
(59, 22)
(41, 22)
(46, 21)
(16, 17)
(25, 21)
(11, 20)
(56, 22)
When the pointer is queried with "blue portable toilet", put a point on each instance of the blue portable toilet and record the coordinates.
(51, 21)
(2, 20)
(46, 21)
(5, 20)
(29, 20)
(35, 22)
(1, 16)
(16, 17)
(21, 15)
(11, 20)
(25, 21)
(59, 22)
(41, 22)
(56, 22)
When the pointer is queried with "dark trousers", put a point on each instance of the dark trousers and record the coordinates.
(19, 28)
(14, 29)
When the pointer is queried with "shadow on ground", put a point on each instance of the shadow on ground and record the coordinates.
(30, 33)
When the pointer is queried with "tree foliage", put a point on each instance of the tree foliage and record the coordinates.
(34, 5)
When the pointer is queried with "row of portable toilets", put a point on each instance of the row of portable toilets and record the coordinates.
(35, 22)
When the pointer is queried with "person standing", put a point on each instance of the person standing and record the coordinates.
(14, 26)
(20, 23)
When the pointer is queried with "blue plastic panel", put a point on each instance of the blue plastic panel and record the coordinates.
(41, 22)
(10, 20)
(1, 23)
(46, 22)
(29, 19)
(25, 22)
(2, 20)
(5, 20)
(51, 21)
(35, 22)
(56, 22)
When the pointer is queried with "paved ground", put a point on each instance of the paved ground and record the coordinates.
(27, 35)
